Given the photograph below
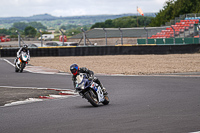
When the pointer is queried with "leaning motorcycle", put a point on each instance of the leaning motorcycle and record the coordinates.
(20, 64)
(90, 91)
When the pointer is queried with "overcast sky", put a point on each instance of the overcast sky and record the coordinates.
(13, 8)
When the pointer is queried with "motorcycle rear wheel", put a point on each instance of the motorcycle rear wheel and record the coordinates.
(90, 96)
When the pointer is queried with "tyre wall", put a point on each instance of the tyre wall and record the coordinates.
(106, 50)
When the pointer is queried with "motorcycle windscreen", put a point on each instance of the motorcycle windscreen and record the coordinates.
(24, 56)
(80, 82)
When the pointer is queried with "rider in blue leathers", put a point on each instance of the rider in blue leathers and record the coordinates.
(75, 70)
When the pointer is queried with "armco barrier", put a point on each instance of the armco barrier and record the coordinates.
(106, 50)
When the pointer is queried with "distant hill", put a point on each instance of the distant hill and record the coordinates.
(50, 17)
(6, 22)
(31, 18)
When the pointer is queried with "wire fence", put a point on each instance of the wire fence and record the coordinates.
(116, 36)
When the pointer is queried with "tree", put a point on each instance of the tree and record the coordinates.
(108, 23)
(13, 33)
(124, 22)
(72, 32)
(23, 25)
(4, 31)
(63, 27)
(175, 8)
(37, 25)
(20, 25)
(98, 25)
(30, 31)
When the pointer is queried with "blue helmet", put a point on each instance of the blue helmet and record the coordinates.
(74, 69)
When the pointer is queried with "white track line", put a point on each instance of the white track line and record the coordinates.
(29, 70)
(37, 88)
(69, 92)
(29, 100)
(13, 64)
(19, 87)
(9, 62)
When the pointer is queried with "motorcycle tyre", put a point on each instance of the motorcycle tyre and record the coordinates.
(106, 101)
(16, 69)
(22, 67)
(91, 99)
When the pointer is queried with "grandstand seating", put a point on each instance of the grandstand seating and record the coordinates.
(179, 27)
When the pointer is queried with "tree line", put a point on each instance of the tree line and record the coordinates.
(25, 29)
(30, 29)
(174, 8)
(124, 22)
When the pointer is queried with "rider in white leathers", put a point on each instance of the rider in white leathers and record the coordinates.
(24, 49)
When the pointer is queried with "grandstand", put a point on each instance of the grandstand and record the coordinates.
(178, 30)
(184, 30)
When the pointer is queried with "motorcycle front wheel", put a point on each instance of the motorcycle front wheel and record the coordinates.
(16, 69)
(22, 66)
(92, 98)
(106, 101)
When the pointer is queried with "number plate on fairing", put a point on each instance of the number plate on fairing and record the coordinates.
(99, 92)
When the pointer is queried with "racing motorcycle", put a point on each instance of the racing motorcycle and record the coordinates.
(20, 64)
(90, 91)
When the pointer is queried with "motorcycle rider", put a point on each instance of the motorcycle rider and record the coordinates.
(75, 70)
(24, 49)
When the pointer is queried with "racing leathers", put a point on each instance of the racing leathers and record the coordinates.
(19, 53)
(24, 50)
(90, 76)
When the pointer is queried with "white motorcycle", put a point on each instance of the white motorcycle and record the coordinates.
(21, 62)
(90, 91)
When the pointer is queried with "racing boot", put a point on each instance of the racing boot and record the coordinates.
(103, 89)
(96, 80)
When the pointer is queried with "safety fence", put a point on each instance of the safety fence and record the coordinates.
(106, 50)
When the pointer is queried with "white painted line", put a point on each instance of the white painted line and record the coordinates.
(59, 96)
(18, 87)
(68, 92)
(13, 64)
(29, 100)
(195, 132)
(72, 90)
(9, 62)
(29, 70)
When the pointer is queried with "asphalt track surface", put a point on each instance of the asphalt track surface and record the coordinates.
(139, 104)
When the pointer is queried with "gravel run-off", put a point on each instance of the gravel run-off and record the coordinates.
(125, 64)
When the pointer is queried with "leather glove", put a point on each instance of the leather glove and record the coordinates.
(90, 78)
